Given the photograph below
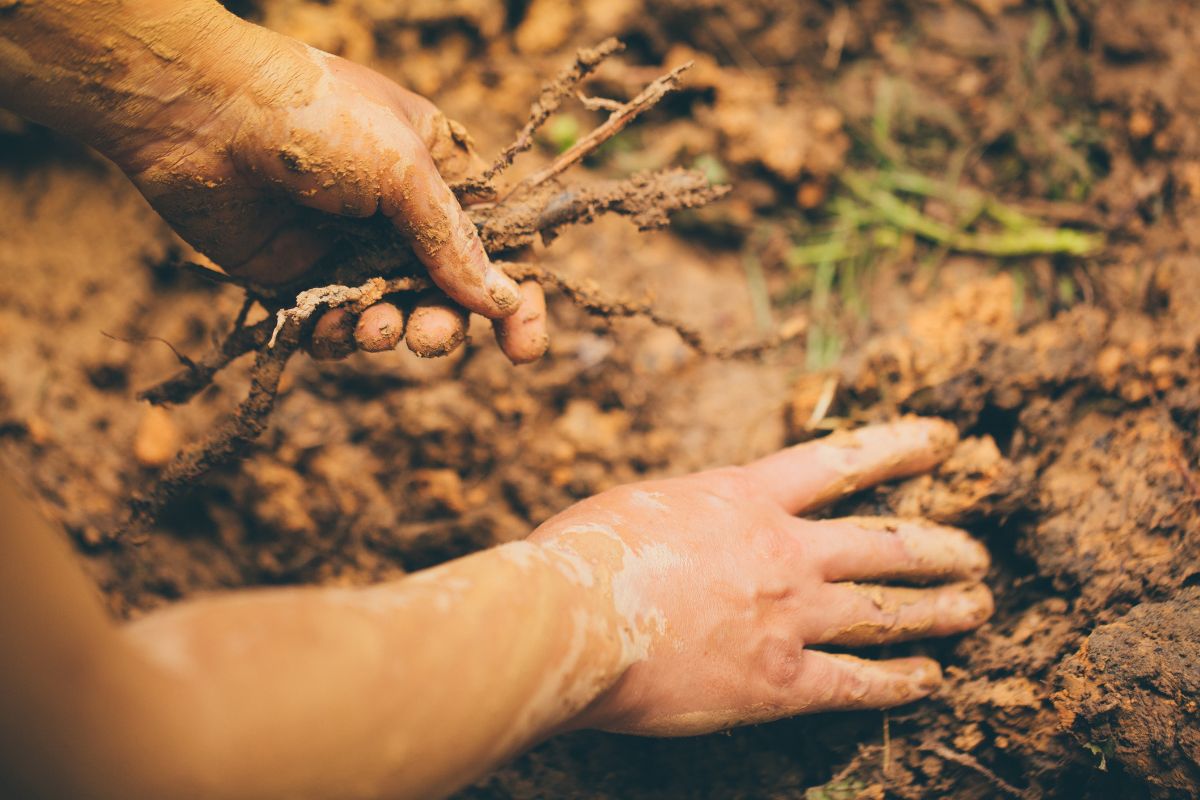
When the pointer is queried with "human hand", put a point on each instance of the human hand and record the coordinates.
(722, 592)
(264, 145)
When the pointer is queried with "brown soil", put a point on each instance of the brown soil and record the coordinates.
(1080, 466)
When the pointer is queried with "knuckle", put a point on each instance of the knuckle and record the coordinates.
(779, 662)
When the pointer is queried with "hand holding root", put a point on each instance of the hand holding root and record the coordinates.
(375, 263)
(725, 596)
(411, 310)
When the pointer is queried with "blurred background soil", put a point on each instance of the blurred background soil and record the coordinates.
(987, 210)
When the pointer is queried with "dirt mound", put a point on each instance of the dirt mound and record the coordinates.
(1086, 492)
(1133, 686)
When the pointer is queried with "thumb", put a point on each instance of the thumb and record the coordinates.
(422, 207)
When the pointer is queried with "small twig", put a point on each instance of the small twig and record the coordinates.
(616, 122)
(972, 763)
(824, 401)
(247, 303)
(647, 198)
(187, 362)
(599, 103)
(551, 98)
(591, 300)
(887, 742)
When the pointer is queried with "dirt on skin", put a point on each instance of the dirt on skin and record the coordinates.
(1080, 457)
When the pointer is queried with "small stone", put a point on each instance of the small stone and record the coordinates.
(157, 438)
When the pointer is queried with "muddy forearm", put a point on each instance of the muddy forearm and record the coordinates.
(408, 689)
(122, 75)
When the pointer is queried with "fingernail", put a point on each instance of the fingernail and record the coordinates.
(502, 289)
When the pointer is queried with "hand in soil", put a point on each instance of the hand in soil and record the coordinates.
(247, 142)
(725, 593)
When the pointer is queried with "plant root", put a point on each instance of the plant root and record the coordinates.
(551, 99)
(231, 436)
(972, 763)
(618, 119)
(198, 375)
(592, 301)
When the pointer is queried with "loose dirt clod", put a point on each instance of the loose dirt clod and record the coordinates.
(1132, 692)
(157, 439)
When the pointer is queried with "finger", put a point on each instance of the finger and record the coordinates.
(523, 336)
(332, 338)
(881, 549)
(815, 473)
(857, 615)
(819, 682)
(380, 328)
(836, 682)
(443, 237)
(436, 327)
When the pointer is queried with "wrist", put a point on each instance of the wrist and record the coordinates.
(591, 562)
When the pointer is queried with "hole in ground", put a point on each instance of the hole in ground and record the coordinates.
(999, 423)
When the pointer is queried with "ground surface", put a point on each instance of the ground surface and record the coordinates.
(1076, 379)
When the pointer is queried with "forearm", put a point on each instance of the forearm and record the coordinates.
(124, 75)
(408, 689)
(82, 714)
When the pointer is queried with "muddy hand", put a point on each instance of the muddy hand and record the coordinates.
(726, 596)
(252, 151)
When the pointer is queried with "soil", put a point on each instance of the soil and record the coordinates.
(1079, 466)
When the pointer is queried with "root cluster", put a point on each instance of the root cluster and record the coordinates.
(378, 262)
